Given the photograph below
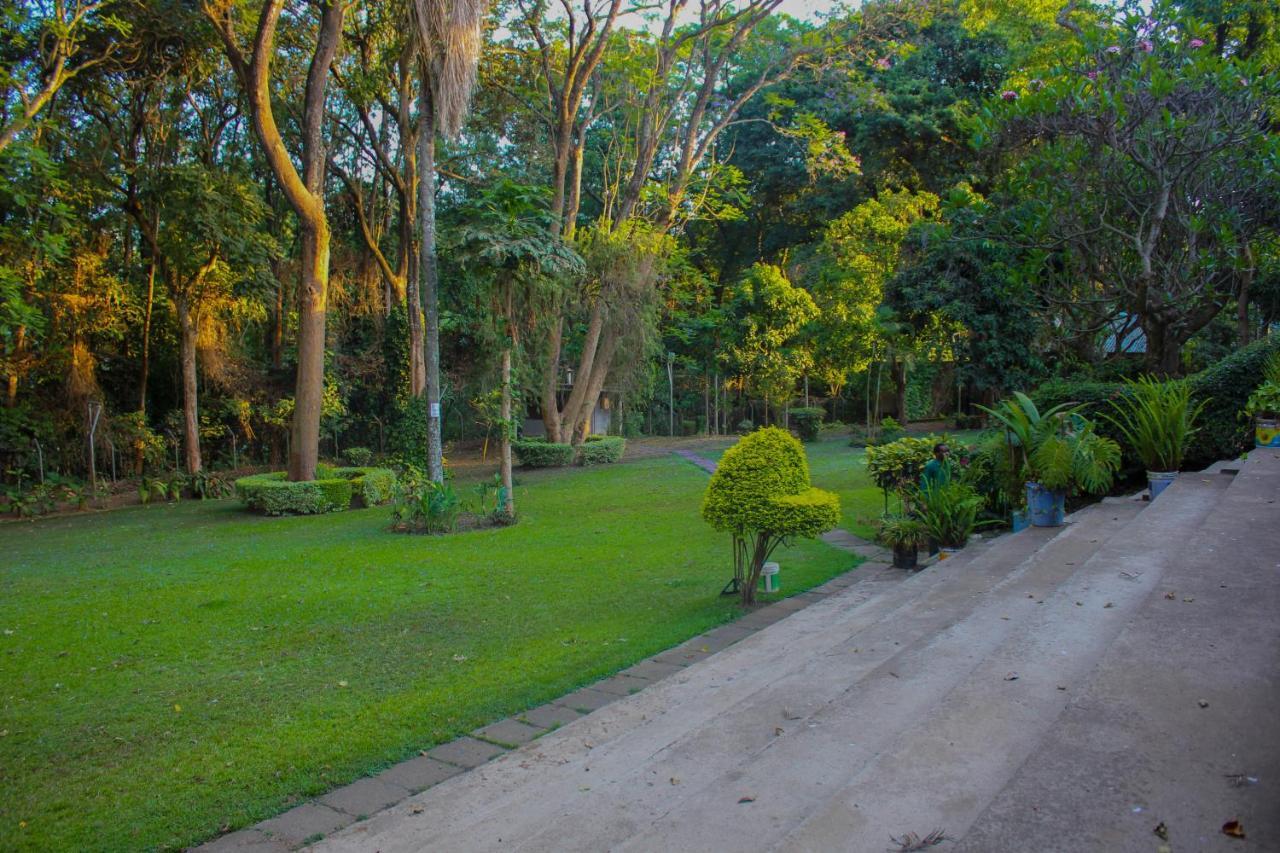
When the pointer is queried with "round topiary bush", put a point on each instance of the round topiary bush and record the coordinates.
(760, 494)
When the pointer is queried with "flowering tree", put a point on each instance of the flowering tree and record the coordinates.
(1147, 169)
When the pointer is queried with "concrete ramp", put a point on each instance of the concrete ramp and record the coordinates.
(1053, 690)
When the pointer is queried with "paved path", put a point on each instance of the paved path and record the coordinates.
(1052, 690)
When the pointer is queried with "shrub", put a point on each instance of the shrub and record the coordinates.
(897, 466)
(602, 450)
(760, 494)
(275, 495)
(949, 512)
(538, 453)
(1225, 390)
(745, 426)
(421, 505)
(807, 421)
(900, 531)
(890, 430)
(369, 486)
(1157, 420)
(358, 457)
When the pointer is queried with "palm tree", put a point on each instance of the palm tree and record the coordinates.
(447, 33)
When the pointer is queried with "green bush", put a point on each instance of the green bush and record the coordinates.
(274, 495)
(1157, 420)
(1225, 389)
(760, 494)
(421, 505)
(358, 457)
(745, 426)
(538, 453)
(890, 430)
(949, 512)
(807, 421)
(602, 450)
(369, 486)
(898, 465)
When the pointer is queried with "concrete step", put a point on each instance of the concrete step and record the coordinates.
(943, 770)
(1178, 724)
(955, 629)
(684, 740)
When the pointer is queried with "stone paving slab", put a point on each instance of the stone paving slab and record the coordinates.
(418, 774)
(618, 685)
(247, 841)
(465, 752)
(650, 670)
(510, 731)
(588, 698)
(305, 823)
(549, 716)
(364, 797)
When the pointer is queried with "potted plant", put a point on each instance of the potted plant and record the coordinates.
(1264, 407)
(1057, 451)
(904, 535)
(949, 513)
(1157, 419)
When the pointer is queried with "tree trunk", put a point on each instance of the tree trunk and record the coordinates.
(190, 392)
(313, 289)
(277, 324)
(581, 425)
(146, 337)
(19, 344)
(429, 274)
(551, 381)
(509, 499)
(900, 388)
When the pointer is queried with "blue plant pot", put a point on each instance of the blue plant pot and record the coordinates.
(1046, 508)
(1159, 481)
(1020, 521)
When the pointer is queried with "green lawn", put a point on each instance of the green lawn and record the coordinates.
(170, 670)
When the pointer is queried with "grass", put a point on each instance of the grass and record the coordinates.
(173, 670)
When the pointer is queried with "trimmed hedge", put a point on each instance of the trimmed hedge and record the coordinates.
(536, 453)
(369, 486)
(1225, 388)
(807, 421)
(601, 450)
(275, 495)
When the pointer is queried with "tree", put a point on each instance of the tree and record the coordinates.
(501, 240)
(769, 352)
(760, 494)
(1144, 169)
(448, 41)
(304, 190)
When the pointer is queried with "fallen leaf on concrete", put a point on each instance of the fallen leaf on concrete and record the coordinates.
(1012, 676)
(1162, 831)
(1240, 780)
(1203, 703)
(675, 780)
(1164, 848)
(1170, 596)
(778, 731)
(1062, 687)
(788, 714)
(1233, 828)
(1079, 604)
(1107, 605)
(1188, 600)
(911, 841)
(416, 810)
(742, 800)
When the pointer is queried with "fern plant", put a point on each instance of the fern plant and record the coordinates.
(1157, 420)
(1059, 448)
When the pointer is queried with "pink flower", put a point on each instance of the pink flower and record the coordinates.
(883, 63)
(1092, 75)
(1115, 48)
(1009, 95)
(1146, 46)
(1196, 43)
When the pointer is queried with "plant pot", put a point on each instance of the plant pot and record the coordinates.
(1158, 481)
(1046, 508)
(1266, 432)
(905, 557)
(1021, 521)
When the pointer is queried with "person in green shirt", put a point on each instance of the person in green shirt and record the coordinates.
(937, 472)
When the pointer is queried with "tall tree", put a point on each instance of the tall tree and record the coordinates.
(304, 190)
(448, 34)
